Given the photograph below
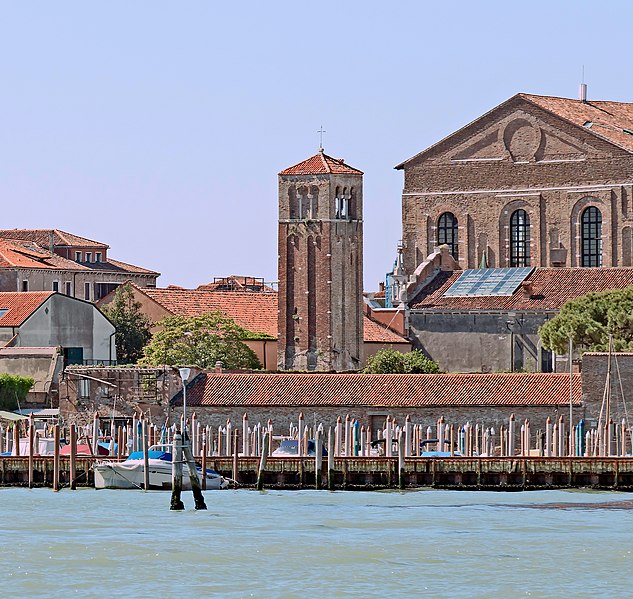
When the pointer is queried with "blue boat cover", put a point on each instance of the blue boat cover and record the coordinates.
(151, 454)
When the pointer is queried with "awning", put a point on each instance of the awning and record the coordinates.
(11, 416)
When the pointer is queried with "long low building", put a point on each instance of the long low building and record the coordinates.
(487, 399)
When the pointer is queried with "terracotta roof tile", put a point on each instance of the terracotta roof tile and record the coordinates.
(20, 305)
(43, 236)
(375, 332)
(321, 164)
(388, 391)
(544, 289)
(612, 121)
(255, 312)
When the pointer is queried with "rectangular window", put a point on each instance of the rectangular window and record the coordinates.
(56, 286)
(77, 256)
(68, 288)
(102, 289)
(87, 291)
(84, 388)
(25, 285)
(88, 256)
(98, 256)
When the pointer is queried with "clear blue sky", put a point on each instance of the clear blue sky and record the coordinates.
(160, 127)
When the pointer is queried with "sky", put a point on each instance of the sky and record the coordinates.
(160, 127)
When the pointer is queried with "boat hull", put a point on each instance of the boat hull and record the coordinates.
(131, 475)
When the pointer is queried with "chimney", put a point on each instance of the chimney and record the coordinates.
(218, 367)
(527, 287)
(51, 241)
(582, 92)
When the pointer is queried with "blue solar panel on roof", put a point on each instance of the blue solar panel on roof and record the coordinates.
(487, 282)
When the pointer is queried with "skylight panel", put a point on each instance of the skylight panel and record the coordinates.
(482, 282)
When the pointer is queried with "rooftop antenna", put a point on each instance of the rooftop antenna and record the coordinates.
(321, 131)
(582, 94)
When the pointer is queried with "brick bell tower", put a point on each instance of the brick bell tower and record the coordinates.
(320, 265)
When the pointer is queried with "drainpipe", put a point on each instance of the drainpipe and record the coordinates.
(110, 349)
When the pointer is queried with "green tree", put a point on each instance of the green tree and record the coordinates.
(390, 361)
(13, 390)
(132, 326)
(589, 320)
(200, 341)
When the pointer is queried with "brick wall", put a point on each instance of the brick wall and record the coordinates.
(320, 274)
(579, 171)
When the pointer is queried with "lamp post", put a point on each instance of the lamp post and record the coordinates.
(184, 375)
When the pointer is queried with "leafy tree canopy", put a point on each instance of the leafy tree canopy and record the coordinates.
(132, 326)
(589, 320)
(200, 341)
(390, 361)
(13, 390)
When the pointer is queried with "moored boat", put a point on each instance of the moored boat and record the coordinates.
(130, 474)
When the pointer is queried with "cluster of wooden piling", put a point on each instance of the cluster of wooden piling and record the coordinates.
(394, 456)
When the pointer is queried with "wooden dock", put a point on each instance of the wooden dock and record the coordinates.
(356, 473)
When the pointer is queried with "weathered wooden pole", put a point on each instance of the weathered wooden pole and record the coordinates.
(407, 436)
(145, 453)
(176, 474)
(194, 479)
(229, 437)
(73, 457)
(95, 433)
(235, 463)
(511, 434)
(56, 458)
(262, 461)
(204, 460)
(401, 460)
(452, 440)
(318, 458)
(16, 440)
(338, 436)
(330, 460)
(120, 441)
(31, 439)
(388, 438)
(245, 436)
(300, 428)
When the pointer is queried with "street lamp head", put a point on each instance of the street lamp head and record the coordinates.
(184, 374)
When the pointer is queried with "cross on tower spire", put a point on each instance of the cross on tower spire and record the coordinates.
(321, 131)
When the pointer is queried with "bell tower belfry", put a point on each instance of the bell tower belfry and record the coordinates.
(320, 266)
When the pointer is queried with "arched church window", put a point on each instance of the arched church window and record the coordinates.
(591, 222)
(447, 232)
(519, 238)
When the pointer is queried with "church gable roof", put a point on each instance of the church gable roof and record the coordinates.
(490, 138)
(321, 164)
(612, 121)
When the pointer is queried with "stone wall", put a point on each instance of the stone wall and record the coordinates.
(480, 342)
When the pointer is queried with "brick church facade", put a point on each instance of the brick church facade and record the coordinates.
(537, 181)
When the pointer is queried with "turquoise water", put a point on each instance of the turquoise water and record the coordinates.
(431, 543)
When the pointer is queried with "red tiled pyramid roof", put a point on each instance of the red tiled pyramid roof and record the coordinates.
(379, 390)
(20, 305)
(321, 164)
(544, 289)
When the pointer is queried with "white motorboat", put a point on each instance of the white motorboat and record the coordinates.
(130, 474)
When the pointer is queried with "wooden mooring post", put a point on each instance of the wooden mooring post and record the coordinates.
(31, 439)
(56, 458)
(73, 457)
(263, 460)
(196, 489)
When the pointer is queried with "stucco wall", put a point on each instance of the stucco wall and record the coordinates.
(479, 342)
